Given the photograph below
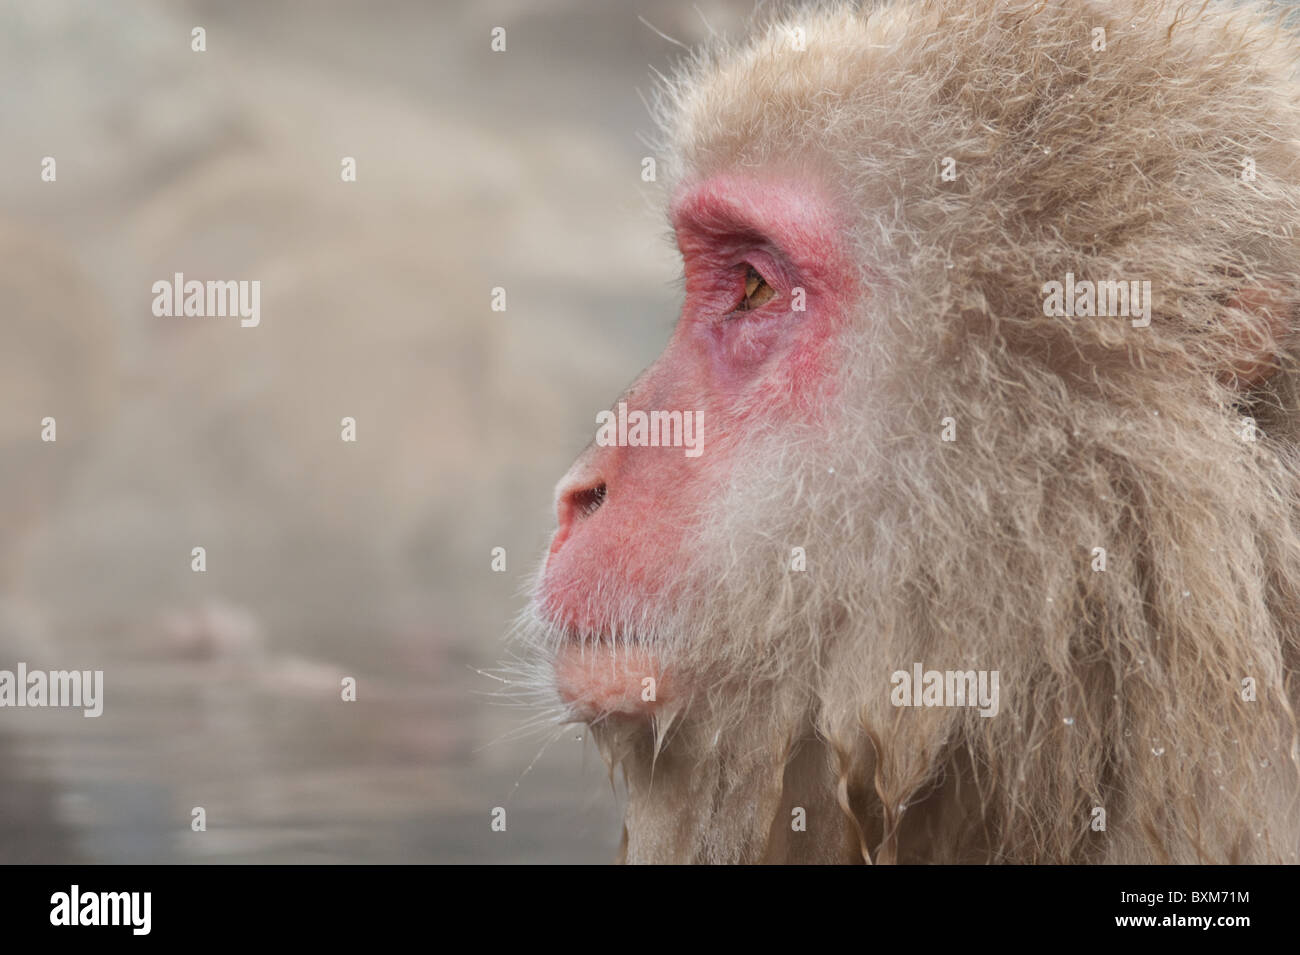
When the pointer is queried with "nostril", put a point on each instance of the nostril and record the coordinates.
(574, 506)
(587, 501)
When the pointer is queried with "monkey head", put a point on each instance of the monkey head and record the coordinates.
(974, 292)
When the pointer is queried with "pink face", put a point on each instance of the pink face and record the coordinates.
(743, 358)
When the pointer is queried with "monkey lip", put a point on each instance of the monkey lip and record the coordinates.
(593, 637)
(580, 636)
(602, 679)
(577, 629)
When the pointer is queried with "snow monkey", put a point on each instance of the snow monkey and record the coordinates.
(990, 551)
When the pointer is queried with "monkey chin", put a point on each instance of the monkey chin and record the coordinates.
(599, 681)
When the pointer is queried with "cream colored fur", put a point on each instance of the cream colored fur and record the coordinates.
(1119, 689)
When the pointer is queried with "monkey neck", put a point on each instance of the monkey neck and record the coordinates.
(750, 799)
(793, 810)
(754, 797)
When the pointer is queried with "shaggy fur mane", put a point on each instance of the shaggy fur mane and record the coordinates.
(1120, 689)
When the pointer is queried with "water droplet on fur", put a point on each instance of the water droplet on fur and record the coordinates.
(578, 738)
(1128, 732)
(949, 265)
(1263, 764)
(830, 470)
(1187, 593)
(1069, 721)
(1157, 751)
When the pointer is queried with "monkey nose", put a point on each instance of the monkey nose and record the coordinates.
(578, 497)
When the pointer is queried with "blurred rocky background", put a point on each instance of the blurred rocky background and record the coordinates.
(325, 559)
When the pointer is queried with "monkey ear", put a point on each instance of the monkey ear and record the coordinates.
(1254, 347)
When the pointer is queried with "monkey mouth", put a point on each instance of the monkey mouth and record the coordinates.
(605, 639)
(570, 629)
(599, 680)
(604, 671)
(594, 637)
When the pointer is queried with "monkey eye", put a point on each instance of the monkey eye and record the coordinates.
(757, 292)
